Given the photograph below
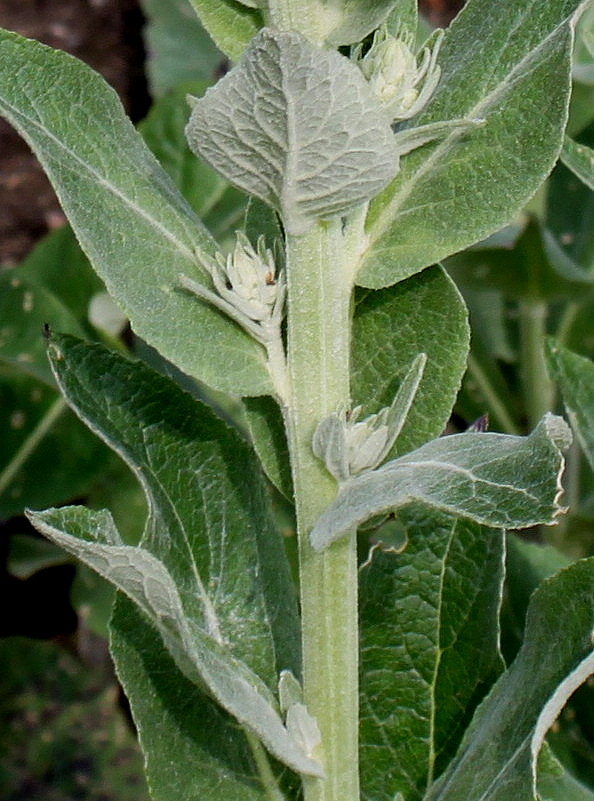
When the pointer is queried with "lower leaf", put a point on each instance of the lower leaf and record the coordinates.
(497, 758)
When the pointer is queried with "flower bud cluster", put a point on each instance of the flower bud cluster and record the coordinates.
(248, 288)
(246, 279)
(348, 447)
(403, 84)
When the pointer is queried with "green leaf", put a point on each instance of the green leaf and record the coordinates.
(194, 637)
(178, 47)
(575, 376)
(536, 269)
(192, 748)
(580, 160)
(261, 128)
(496, 760)
(570, 208)
(424, 314)
(429, 648)
(454, 192)
(403, 18)
(230, 24)
(136, 229)
(267, 430)
(494, 479)
(219, 205)
(554, 783)
(27, 555)
(210, 573)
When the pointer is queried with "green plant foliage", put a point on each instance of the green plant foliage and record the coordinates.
(220, 206)
(497, 757)
(169, 576)
(433, 208)
(446, 587)
(103, 172)
(282, 138)
(575, 376)
(230, 23)
(178, 47)
(446, 473)
(335, 636)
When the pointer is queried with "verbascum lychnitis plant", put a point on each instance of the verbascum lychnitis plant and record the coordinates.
(373, 670)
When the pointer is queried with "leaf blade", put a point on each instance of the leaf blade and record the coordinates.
(434, 206)
(137, 230)
(467, 475)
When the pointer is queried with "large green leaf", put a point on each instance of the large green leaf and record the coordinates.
(429, 648)
(424, 314)
(135, 227)
(192, 748)
(261, 128)
(178, 47)
(210, 573)
(496, 760)
(575, 376)
(494, 479)
(507, 63)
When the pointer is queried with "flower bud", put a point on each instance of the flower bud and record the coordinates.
(246, 279)
(402, 85)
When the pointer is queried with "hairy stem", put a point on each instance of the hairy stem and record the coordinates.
(319, 294)
(538, 388)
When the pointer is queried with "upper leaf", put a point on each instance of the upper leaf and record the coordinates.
(497, 758)
(494, 479)
(424, 314)
(349, 21)
(210, 573)
(507, 63)
(178, 47)
(134, 226)
(298, 127)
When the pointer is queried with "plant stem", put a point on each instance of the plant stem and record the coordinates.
(311, 18)
(319, 279)
(269, 784)
(538, 388)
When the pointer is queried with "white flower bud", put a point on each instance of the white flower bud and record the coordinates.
(402, 85)
(348, 447)
(247, 280)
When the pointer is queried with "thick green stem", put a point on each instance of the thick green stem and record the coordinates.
(312, 18)
(319, 292)
(538, 388)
